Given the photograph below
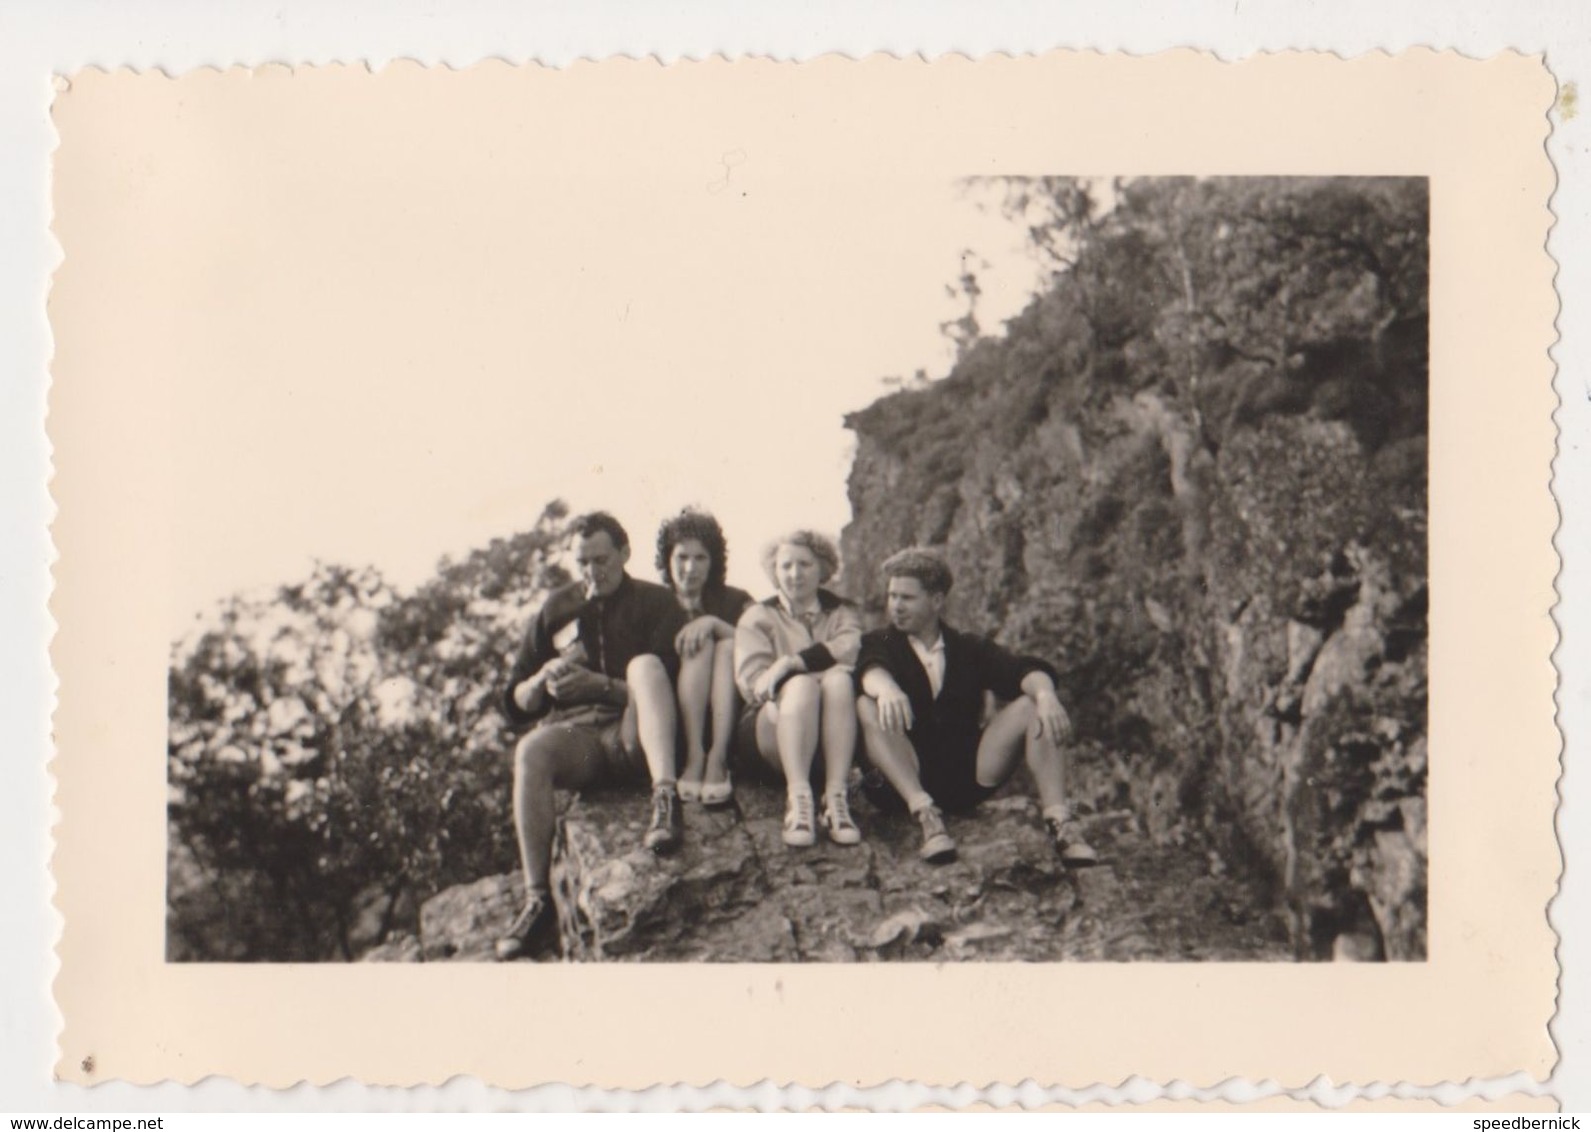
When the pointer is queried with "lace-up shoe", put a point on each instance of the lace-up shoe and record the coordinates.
(535, 928)
(798, 828)
(667, 829)
(838, 821)
(938, 845)
(1075, 853)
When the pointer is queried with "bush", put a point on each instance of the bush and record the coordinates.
(335, 753)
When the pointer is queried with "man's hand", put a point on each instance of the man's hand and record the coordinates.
(894, 711)
(528, 693)
(699, 634)
(1050, 717)
(578, 686)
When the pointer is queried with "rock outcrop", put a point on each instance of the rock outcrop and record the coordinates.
(736, 893)
(1192, 473)
(1241, 626)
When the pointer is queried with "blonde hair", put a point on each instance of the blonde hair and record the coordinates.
(820, 546)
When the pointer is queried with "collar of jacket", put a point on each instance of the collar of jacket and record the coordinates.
(827, 602)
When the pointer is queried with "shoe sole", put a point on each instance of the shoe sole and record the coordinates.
(716, 802)
(939, 855)
(664, 848)
(544, 948)
(799, 840)
(853, 837)
(542, 941)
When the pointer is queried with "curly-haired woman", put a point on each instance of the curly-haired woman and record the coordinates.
(692, 556)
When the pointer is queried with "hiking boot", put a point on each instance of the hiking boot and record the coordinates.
(938, 845)
(1068, 838)
(837, 820)
(798, 828)
(667, 830)
(533, 929)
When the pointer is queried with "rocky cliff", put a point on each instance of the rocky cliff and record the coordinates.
(1225, 552)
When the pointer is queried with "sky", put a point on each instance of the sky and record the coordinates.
(389, 345)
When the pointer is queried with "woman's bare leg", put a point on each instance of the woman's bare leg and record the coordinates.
(722, 700)
(839, 728)
(696, 675)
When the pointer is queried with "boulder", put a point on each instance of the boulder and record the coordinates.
(736, 893)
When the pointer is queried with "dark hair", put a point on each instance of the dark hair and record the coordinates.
(598, 522)
(704, 528)
(921, 563)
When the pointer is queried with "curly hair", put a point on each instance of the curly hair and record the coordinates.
(704, 528)
(921, 563)
(821, 546)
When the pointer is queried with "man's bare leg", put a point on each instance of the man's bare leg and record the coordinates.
(895, 756)
(652, 696)
(652, 700)
(545, 760)
(892, 754)
(1014, 733)
(1004, 744)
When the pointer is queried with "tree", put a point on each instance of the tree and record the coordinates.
(1242, 295)
(336, 752)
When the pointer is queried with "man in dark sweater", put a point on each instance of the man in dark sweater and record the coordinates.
(594, 685)
(921, 708)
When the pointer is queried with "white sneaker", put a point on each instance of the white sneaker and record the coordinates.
(837, 819)
(798, 828)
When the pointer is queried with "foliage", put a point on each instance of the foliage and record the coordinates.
(1238, 297)
(335, 751)
(1218, 400)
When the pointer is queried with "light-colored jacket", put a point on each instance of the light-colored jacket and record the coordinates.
(767, 631)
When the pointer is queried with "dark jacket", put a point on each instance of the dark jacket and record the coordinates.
(637, 619)
(973, 666)
(723, 602)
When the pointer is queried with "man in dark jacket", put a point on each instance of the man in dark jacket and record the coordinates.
(922, 704)
(594, 685)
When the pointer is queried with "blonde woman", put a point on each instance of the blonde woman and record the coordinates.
(794, 655)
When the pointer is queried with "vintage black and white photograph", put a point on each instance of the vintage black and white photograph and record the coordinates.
(1023, 568)
(805, 572)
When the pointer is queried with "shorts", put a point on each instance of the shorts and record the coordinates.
(605, 734)
(949, 772)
